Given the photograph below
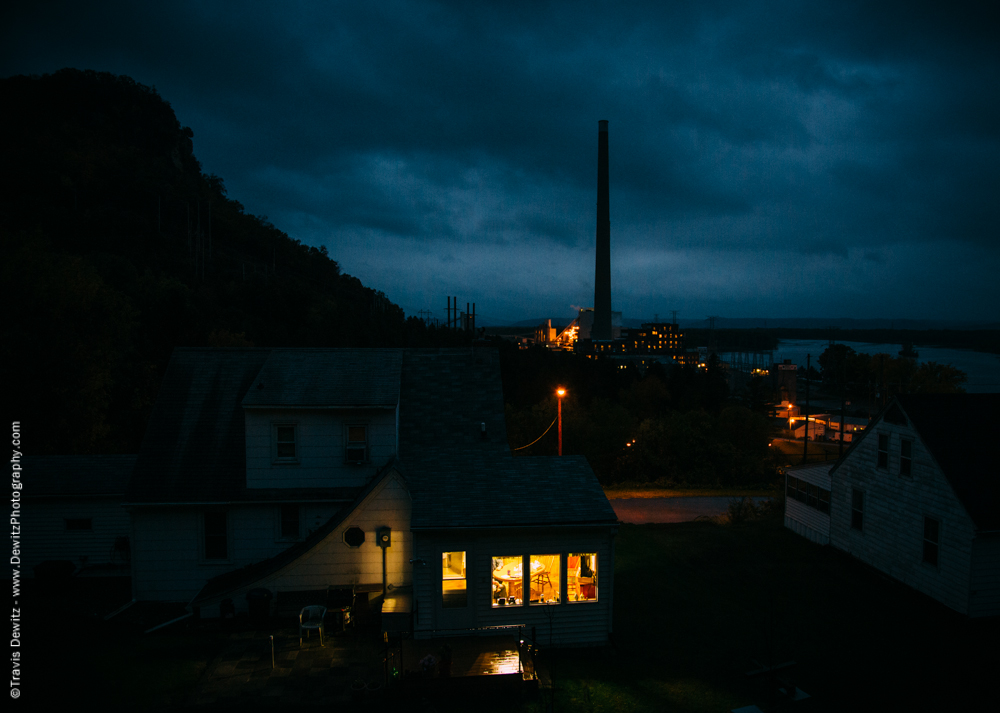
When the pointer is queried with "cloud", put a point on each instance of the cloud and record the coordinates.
(460, 139)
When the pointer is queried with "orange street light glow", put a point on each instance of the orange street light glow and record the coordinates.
(560, 392)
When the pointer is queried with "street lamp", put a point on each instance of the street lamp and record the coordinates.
(560, 392)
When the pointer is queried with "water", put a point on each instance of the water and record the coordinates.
(982, 369)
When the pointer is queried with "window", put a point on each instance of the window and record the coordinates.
(545, 583)
(357, 444)
(932, 531)
(354, 537)
(507, 579)
(80, 524)
(581, 577)
(883, 450)
(284, 443)
(808, 494)
(290, 521)
(857, 509)
(454, 592)
(216, 536)
(906, 457)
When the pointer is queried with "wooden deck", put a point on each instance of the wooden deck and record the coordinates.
(470, 656)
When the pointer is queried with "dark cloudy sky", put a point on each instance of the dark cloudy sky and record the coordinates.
(768, 159)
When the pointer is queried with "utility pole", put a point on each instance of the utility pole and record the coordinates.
(805, 441)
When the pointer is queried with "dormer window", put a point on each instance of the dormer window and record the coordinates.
(357, 444)
(285, 443)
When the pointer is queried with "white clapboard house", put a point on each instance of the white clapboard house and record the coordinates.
(916, 496)
(303, 470)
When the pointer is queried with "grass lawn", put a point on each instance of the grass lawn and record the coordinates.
(696, 603)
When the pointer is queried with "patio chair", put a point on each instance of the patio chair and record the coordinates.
(311, 619)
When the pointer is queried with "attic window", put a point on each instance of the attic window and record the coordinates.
(354, 537)
(284, 442)
(357, 444)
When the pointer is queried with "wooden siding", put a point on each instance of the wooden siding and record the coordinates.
(320, 443)
(564, 624)
(984, 599)
(894, 509)
(44, 523)
(168, 546)
(807, 522)
(332, 563)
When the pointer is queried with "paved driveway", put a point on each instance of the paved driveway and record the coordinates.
(639, 511)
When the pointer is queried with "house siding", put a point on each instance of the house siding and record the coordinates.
(984, 597)
(894, 510)
(332, 563)
(168, 545)
(320, 447)
(564, 624)
(45, 521)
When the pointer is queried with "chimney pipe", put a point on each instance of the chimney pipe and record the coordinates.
(602, 277)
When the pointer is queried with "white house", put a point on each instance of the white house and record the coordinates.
(301, 470)
(917, 496)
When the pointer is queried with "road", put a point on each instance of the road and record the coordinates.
(639, 511)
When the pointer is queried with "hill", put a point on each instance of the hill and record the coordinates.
(117, 247)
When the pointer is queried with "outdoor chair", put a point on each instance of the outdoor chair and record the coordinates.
(311, 619)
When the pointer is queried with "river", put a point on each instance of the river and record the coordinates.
(982, 369)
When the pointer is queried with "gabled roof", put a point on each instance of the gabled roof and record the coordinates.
(328, 378)
(76, 476)
(957, 430)
(459, 474)
(194, 449)
(456, 477)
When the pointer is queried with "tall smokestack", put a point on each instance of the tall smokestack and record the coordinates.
(602, 276)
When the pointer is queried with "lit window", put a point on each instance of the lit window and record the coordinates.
(906, 457)
(453, 580)
(883, 450)
(932, 529)
(216, 536)
(581, 577)
(507, 579)
(285, 442)
(544, 579)
(357, 444)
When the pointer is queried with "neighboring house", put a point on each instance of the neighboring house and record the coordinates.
(917, 496)
(284, 470)
(73, 513)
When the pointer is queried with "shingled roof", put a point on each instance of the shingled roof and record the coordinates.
(452, 433)
(194, 449)
(76, 476)
(328, 378)
(457, 477)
